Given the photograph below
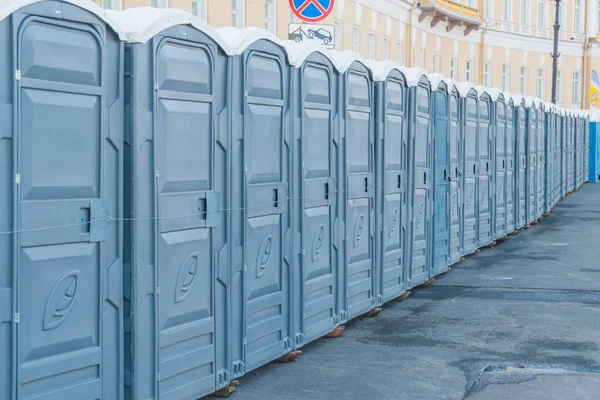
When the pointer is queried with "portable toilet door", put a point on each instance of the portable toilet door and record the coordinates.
(260, 217)
(586, 148)
(575, 152)
(470, 204)
(594, 151)
(391, 138)
(61, 147)
(485, 174)
(357, 136)
(455, 178)
(521, 169)
(556, 155)
(178, 163)
(531, 165)
(549, 159)
(441, 192)
(420, 191)
(563, 155)
(541, 160)
(315, 218)
(510, 165)
(570, 156)
(500, 140)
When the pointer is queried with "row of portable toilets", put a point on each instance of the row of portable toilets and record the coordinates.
(180, 205)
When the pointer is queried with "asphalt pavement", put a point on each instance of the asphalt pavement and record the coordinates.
(519, 321)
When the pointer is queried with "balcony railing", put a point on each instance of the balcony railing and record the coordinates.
(529, 30)
(455, 14)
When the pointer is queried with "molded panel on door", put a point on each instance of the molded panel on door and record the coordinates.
(455, 176)
(440, 220)
(470, 205)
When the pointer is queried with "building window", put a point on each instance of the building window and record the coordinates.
(577, 16)
(199, 9)
(112, 4)
(577, 87)
(453, 68)
(523, 81)
(436, 63)
(355, 39)
(541, 83)
(153, 3)
(598, 16)
(270, 15)
(469, 71)
(507, 10)
(487, 74)
(386, 48)
(471, 3)
(525, 12)
(541, 14)
(399, 53)
(338, 35)
(372, 45)
(563, 17)
(505, 77)
(488, 8)
(237, 14)
(559, 87)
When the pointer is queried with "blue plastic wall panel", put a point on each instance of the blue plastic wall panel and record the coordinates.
(586, 149)
(549, 164)
(391, 180)
(470, 239)
(315, 192)
(557, 158)
(570, 156)
(576, 146)
(541, 163)
(521, 168)
(500, 167)
(510, 168)
(456, 182)
(531, 165)
(420, 161)
(441, 192)
(261, 217)
(564, 152)
(61, 139)
(177, 277)
(594, 144)
(359, 188)
(485, 155)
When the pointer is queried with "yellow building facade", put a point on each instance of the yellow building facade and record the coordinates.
(496, 43)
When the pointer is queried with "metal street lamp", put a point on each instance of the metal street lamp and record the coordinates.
(556, 54)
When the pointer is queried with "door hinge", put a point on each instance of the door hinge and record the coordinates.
(158, 377)
(156, 86)
(157, 290)
(18, 179)
(157, 174)
(18, 74)
(17, 318)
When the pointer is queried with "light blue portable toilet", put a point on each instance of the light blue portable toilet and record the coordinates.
(511, 182)
(563, 152)
(456, 173)
(521, 159)
(576, 145)
(586, 147)
(594, 148)
(549, 128)
(541, 159)
(531, 133)
(469, 115)
(177, 139)
(441, 175)
(570, 153)
(391, 202)
(357, 183)
(261, 242)
(485, 155)
(499, 148)
(315, 216)
(420, 176)
(61, 143)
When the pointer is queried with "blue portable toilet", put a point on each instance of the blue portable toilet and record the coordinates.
(500, 167)
(177, 246)
(441, 175)
(485, 172)
(420, 175)
(456, 173)
(61, 142)
(357, 183)
(469, 120)
(563, 152)
(570, 152)
(511, 182)
(521, 160)
(315, 216)
(261, 244)
(594, 148)
(586, 142)
(391, 202)
(549, 128)
(531, 133)
(541, 158)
